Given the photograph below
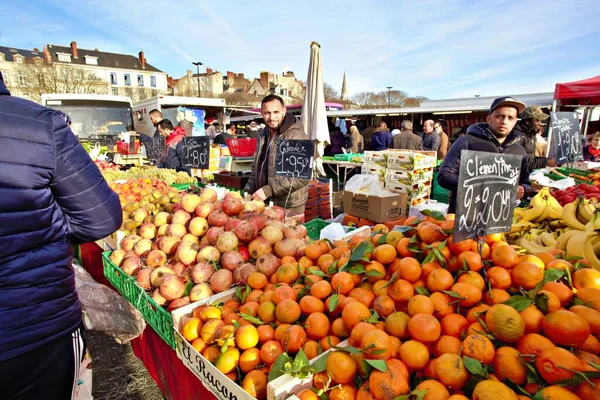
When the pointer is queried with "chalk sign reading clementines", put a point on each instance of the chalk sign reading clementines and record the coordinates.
(294, 158)
(487, 191)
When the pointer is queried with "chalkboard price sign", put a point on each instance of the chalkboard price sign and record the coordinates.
(566, 137)
(196, 152)
(487, 191)
(294, 158)
(156, 148)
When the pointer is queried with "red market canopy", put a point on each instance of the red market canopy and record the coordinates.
(588, 89)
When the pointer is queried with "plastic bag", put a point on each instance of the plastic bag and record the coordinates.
(367, 184)
(540, 177)
(105, 310)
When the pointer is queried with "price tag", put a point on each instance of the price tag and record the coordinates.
(294, 158)
(487, 192)
(196, 152)
(566, 140)
(156, 148)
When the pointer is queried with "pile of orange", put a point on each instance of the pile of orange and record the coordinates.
(134, 189)
(424, 316)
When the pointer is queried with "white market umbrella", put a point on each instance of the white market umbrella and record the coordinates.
(314, 117)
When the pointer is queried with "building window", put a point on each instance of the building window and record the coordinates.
(91, 60)
(127, 80)
(113, 78)
(64, 58)
(18, 60)
(115, 91)
(140, 80)
(5, 76)
(152, 81)
(38, 61)
(21, 79)
(2, 58)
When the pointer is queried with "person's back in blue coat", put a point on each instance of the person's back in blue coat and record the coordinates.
(382, 138)
(51, 196)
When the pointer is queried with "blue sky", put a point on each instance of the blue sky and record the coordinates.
(435, 48)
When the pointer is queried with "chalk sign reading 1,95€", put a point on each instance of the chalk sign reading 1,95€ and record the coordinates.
(196, 152)
(566, 137)
(294, 158)
(487, 191)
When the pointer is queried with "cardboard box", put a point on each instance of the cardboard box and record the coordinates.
(404, 177)
(375, 208)
(374, 170)
(374, 159)
(337, 199)
(414, 191)
(410, 160)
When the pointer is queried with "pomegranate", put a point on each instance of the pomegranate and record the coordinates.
(212, 235)
(294, 232)
(250, 206)
(186, 253)
(233, 195)
(181, 270)
(246, 231)
(198, 226)
(117, 257)
(162, 230)
(169, 244)
(158, 274)
(259, 220)
(204, 209)
(246, 215)
(277, 224)
(202, 272)
(209, 254)
(227, 241)
(129, 241)
(178, 303)
(156, 258)
(181, 217)
(162, 218)
(232, 206)
(142, 247)
(200, 291)
(176, 230)
(188, 237)
(272, 233)
(157, 297)
(260, 205)
(280, 212)
(232, 224)
(240, 275)
(143, 278)
(271, 214)
(259, 246)
(221, 280)
(267, 264)
(148, 231)
(243, 250)
(285, 247)
(231, 260)
(208, 196)
(217, 218)
(172, 287)
(128, 254)
(189, 202)
(131, 265)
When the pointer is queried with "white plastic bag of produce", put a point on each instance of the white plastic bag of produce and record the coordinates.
(105, 310)
(367, 184)
(333, 232)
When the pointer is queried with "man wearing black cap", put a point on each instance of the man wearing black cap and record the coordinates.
(495, 136)
(528, 128)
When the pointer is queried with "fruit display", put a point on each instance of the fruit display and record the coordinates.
(184, 248)
(583, 189)
(104, 166)
(145, 191)
(167, 175)
(424, 317)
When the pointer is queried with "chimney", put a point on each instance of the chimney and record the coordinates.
(241, 76)
(74, 49)
(189, 73)
(209, 71)
(230, 77)
(47, 55)
(36, 49)
(142, 59)
(264, 79)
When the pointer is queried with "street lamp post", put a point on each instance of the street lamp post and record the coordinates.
(389, 88)
(198, 64)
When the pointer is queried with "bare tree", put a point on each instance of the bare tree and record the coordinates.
(414, 101)
(383, 99)
(330, 93)
(43, 78)
(242, 99)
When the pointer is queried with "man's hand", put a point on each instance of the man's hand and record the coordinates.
(259, 195)
(520, 192)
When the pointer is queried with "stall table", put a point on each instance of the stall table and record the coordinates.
(337, 166)
(174, 379)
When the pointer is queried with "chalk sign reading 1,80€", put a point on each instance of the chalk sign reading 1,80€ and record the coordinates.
(294, 158)
(196, 152)
(566, 137)
(487, 191)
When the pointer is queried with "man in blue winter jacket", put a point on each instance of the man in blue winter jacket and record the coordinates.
(382, 138)
(51, 196)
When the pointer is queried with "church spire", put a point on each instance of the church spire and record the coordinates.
(344, 89)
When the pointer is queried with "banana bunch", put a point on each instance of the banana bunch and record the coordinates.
(583, 239)
(539, 240)
(543, 207)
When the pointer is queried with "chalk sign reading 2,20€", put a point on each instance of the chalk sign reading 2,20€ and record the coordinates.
(294, 158)
(486, 196)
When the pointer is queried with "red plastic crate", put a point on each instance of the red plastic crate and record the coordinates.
(245, 147)
(123, 147)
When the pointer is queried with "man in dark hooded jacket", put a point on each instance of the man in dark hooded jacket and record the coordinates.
(495, 136)
(528, 129)
(52, 196)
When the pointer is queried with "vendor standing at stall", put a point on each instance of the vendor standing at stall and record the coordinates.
(264, 184)
(173, 146)
(529, 128)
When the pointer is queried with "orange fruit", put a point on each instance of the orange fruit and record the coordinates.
(496, 296)
(505, 323)
(454, 325)
(363, 295)
(553, 302)
(532, 345)
(385, 254)
(311, 304)
(288, 311)
(375, 342)
(479, 311)
(434, 390)
(566, 328)
(439, 279)
(587, 391)
(420, 304)
(430, 233)
(282, 293)
(191, 329)
(341, 367)
(472, 259)
(313, 251)
(586, 278)
(307, 394)
(403, 248)
(479, 347)
(249, 360)
(266, 312)
(559, 393)
(591, 345)
(359, 330)
(499, 278)
(486, 251)
(554, 364)
(210, 329)
(329, 341)
(354, 313)
(294, 337)
(257, 280)
(424, 328)
(470, 294)
(451, 372)
(562, 291)
(384, 305)
(250, 308)
(342, 282)
(427, 268)
(317, 325)
(533, 319)
(458, 247)
(330, 306)
(396, 324)
(199, 345)
(490, 389)
(321, 289)
(505, 256)
(246, 337)
(441, 304)
(339, 329)
(447, 344)
(591, 316)
(363, 393)
(472, 278)
(409, 269)
(590, 296)
(265, 333)
(508, 364)
(255, 383)
(287, 273)
(311, 349)
(343, 392)
(527, 275)
(401, 290)
(390, 384)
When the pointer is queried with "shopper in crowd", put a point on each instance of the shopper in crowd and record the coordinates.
(444, 142)
(406, 139)
(431, 139)
(382, 138)
(228, 134)
(264, 184)
(356, 141)
(174, 157)
(495, 136)
(336, 141)
(367, 132)
(252, 130)
(528, 129)
(591, 152)
(53, 196)
(187, 126)
(146, 138)
(210, 131)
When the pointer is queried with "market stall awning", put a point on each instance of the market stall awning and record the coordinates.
(584, 89)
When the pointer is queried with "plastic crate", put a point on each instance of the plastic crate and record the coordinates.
(245, 147)
(314, 228)
(438, 193)
(181, 186)
(123, 148)
(158, 318)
